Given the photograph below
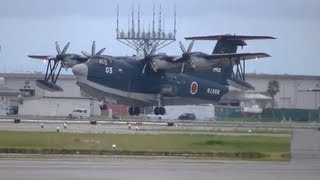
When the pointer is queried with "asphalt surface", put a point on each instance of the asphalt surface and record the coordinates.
(305, 146)
(155, 169)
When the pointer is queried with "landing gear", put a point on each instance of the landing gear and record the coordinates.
(159, 110)
(134, 111)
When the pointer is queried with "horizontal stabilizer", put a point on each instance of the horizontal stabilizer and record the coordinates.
(237, 56)
(240, 84)
(229, 37)
(234, 58)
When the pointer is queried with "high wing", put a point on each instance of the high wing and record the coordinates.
(199, 60)
(41, 57)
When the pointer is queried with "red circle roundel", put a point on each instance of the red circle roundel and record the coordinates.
(194, 88)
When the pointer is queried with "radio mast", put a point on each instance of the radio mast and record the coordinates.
(150, 39)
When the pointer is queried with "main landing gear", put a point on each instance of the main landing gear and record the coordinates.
(159, 110)
(134, 111)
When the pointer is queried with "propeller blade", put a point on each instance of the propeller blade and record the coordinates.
(144, 68)
(65, 48)
(58, 48)
(101, 51)
(191, 62)
(176, 58)
(93, 48)
(64, 65)
(190, 46)
(85, 54)
(182, 68)
(182, 47)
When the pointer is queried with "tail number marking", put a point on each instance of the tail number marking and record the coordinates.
(213, 91)
(216, 70)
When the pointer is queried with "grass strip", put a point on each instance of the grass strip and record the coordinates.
(221, 146)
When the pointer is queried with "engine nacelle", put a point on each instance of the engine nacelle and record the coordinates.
(69, 63)
(160, 64)
(196, 62)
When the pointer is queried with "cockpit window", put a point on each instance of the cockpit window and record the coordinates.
(94, 60)
(103, 61)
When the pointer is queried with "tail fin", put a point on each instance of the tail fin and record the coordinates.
(228, 43)
(227, 46)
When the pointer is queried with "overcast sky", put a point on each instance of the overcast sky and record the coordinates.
(32, 27)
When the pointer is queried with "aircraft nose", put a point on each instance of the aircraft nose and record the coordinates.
(80, 69)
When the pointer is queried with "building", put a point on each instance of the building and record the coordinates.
(34, 101)
(293, 89)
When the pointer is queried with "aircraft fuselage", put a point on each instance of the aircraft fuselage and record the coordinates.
(123, 80)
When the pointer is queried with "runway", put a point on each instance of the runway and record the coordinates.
(155, 169)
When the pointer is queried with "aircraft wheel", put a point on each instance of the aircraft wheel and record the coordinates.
(156, 110)
(162, 110)
(131, 111)
(136, 111)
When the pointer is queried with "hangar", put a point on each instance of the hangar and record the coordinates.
(294, 89)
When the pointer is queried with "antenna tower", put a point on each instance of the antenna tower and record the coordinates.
(146, 40)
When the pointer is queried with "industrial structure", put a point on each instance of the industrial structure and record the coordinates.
(141, 40)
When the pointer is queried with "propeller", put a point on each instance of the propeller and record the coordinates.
(186, 55)
(148, 57)
(65, 60)
(61, 56)
(93, 51)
